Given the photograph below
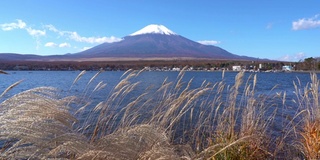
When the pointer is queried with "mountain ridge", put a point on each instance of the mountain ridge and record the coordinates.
(159, 42)
(152, 42)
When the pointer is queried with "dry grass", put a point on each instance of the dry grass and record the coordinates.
(35, 123)
(10, 87)
(3, 72)
(173, 121)
(238, 124)
(309, 135)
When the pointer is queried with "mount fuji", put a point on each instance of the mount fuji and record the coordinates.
(153, 42)
(157, 42)
(154, 29)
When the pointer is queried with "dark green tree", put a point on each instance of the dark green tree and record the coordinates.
(309, 63)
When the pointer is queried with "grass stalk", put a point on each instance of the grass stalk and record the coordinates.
(174, 120)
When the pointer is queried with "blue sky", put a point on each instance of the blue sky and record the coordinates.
(273, 29)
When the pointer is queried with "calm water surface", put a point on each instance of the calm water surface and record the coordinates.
(63, 80)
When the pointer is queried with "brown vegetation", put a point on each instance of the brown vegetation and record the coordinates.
(212, 121)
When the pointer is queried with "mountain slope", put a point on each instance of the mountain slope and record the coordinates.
(155, 45)
(159, 42)
(151, 42)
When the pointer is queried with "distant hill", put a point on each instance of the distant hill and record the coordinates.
(31, 57)
(18, 57)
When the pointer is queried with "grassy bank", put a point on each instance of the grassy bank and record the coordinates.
(173, 121)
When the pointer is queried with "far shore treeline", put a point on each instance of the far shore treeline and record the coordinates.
(308, 64)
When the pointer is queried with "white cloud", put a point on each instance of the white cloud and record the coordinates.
(36, 33)
(85, 48)
(51, 28)
(39, 33)
(76, 37)
(22, 25)
(62, 45)
(68, 34)
(293, 58)
(50, 44)
(306, 23)
(209, 42)
(10, 26)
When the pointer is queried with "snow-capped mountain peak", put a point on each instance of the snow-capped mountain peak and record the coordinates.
(154, 29)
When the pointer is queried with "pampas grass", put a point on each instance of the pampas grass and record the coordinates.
(173, 121)
(309, 135)
(10, 87)
(3, 72)
(35, 122)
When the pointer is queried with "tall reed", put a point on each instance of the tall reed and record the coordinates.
(175, 120)
(309, 134)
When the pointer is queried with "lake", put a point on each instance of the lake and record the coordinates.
(63, 80)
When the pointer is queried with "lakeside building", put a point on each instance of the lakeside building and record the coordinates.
(286, 68)
(236, 68)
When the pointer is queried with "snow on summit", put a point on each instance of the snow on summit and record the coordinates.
(154, 29)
